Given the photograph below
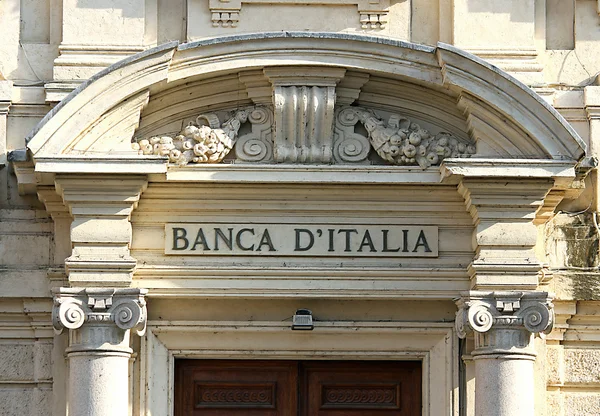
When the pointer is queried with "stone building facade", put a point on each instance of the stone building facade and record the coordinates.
(278, 207)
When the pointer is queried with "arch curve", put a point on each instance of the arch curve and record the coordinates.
(443, 86)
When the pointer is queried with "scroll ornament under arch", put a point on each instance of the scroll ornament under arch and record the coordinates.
(396, 141)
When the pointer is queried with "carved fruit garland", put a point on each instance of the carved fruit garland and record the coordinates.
(403, 142)
(205, 141)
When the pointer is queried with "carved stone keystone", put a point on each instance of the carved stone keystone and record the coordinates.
(304, 100)
(99, 321)
(503, 324)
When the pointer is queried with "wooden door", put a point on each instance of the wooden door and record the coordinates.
(367, 388)
(235, 388)
(297, 388)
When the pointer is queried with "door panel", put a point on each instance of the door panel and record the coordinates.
(223, 388)
(348, 388)
(304, 388)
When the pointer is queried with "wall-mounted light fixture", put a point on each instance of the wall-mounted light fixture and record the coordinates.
(303, 320)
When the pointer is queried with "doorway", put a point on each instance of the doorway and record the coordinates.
(297, 388)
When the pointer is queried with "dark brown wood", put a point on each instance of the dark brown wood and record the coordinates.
(365, 388)
(223, 388)
(290, 388)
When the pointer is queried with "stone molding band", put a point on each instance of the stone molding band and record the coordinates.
(504, 322)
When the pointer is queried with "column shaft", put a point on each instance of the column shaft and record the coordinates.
(98, 384)
(504, 386)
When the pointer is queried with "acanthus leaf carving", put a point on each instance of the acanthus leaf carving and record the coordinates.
(397, 141)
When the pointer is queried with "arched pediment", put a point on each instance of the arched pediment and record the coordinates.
(441, 90)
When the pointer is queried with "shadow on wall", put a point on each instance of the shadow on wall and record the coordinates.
(132, 9)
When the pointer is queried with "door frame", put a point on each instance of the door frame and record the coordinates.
(435, 344)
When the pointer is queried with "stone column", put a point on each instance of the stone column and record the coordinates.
(503, 325)
(100, 322)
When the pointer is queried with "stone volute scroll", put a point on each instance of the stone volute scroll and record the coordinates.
(125, 308)
(99, 321)
(504, 325)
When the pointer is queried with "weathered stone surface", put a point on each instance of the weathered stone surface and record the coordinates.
(582, 366)
(16, 362)
(554, 403)
(582, 404)
(23, 401)
(554, 364)
(42, 361)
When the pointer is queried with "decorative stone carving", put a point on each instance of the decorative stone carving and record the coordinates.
(209, 141)
(257, 146)
(398, 141)
(373, 20)
(304, 122)
(125, 308)
(503, 321)
(373, 13)
(304, 101)
(304, 127)
(225, 18)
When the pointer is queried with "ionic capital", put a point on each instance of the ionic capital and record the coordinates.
(503, 322)
(75, 307)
